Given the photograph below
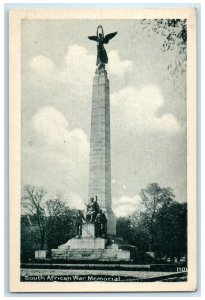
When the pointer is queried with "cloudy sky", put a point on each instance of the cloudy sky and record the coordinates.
(148, 110)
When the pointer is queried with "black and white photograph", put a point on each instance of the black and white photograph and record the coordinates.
(102, 150)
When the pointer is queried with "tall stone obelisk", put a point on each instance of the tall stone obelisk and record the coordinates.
(100, 156)
(88, 245)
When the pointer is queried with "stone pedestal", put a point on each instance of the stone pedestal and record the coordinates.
(86, 249)
(84, 243)
(41, 254)
(89, 248)
(100, 157)
(88, 230)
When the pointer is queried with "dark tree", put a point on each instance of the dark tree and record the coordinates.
(160, 227)
(33, 202)
(45, 213)
(63, 229)
(174, 33)
(123, 227)
(154, 198)
(29, 238)
(132, 230)
(172, 230)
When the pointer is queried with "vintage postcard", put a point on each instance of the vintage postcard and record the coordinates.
(102, 150)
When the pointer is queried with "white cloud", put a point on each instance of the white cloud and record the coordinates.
(51, 127)
(116, 66)
(43, 65)
(139, 108)
(126, 205)
(77, 67)
(55, 156)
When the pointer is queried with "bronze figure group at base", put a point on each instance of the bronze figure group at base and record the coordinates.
(93, 215)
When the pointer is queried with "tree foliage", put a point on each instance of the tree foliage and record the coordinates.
(154, 198)
(174, 33)
(46, 222)
(160, 227)
(172, 230)
(33, 199)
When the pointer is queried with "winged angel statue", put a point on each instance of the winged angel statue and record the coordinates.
(102, 57)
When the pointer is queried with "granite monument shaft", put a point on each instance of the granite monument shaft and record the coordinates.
(100, 146)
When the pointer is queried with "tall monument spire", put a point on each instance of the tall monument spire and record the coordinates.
(91, 242)
(100, 146)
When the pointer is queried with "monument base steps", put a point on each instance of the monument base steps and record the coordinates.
(106, 254)
(89, 247)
